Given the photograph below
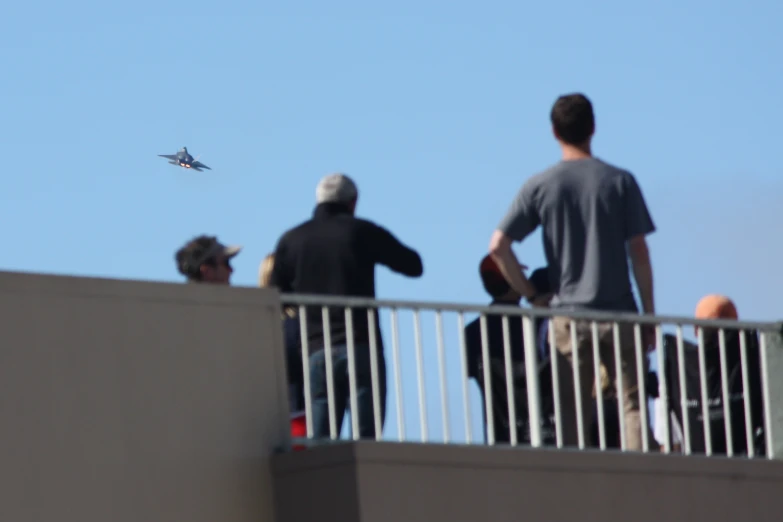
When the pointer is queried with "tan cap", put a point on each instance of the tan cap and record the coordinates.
(218, 248)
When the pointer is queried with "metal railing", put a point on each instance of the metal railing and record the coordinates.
(444, 406)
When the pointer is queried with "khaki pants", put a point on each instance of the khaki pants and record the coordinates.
(628, 373)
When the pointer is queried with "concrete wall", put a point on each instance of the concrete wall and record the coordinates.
(380, 482)
(132, 401)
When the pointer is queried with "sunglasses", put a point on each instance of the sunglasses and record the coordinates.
(226, 262)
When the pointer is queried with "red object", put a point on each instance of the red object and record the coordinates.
(489, 266)
(298, 429)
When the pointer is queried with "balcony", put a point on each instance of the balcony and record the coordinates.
(127, 401)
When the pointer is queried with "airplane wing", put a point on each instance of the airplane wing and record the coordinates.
(168, 156)
(199, 165)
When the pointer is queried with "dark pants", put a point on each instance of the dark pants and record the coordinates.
(500, 410)
(364, 393)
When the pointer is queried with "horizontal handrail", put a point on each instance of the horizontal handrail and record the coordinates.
(523, 403)
(590, 315)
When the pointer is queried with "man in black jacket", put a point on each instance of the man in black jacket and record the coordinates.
(335, 253)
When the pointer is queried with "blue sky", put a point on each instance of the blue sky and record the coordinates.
(437, 109)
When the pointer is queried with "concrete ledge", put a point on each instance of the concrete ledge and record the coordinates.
(33, 284)
(416, 482)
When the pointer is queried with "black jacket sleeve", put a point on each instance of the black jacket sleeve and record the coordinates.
(280, 277)
(390, 252)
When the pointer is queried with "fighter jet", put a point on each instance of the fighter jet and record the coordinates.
(185, 160)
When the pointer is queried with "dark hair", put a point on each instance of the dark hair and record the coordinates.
(190, 257)
(572, 118)
(540, 281)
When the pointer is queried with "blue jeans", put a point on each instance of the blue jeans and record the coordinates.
(364, 396)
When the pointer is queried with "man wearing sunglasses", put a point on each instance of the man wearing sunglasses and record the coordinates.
(204, 259)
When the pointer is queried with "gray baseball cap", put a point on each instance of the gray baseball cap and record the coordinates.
(336, 188)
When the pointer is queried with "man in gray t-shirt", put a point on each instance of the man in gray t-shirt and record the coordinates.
(593, 217)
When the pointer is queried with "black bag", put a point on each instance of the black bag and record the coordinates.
(500, 412)
(716, 415)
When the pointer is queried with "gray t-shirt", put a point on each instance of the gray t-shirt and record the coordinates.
(588, 210)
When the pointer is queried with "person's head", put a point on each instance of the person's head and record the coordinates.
(204, 259)
(573, 121)
(540, 281)
(265, 271)
(495, 283)
(714, 306)
(265, 280)
(337, 189)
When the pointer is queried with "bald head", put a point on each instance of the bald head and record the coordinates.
(336, 188)
(716, 306)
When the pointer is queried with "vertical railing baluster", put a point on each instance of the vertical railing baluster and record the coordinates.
(308, 394)
(395, 333)
(512, 410)
(663, 393)
(465, 394)
(442, 371)
(749, 435)
(724, 381)
(580, 427)
(330, 398)
(553, 359)
(599, 393)
(420, 374)
(705, 398)
(376, 392)
(533, 387)
(766, 396)
(352, 393)
(619, 385)
(490, 414)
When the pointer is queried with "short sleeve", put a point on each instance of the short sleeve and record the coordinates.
(638, 221)
(522, 217)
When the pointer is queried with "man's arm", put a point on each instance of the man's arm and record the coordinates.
(520, 220)
(639, 224)
(390, 252)
(510, 267)
(642, 272)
